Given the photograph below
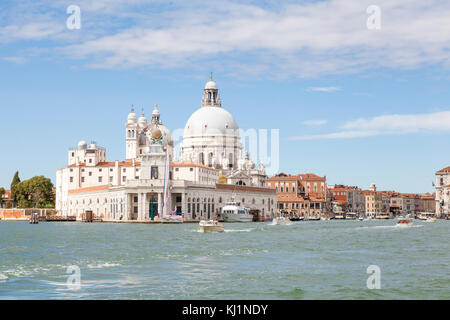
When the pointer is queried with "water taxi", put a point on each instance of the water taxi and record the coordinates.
(404, 222)
(210, 226)
(232, 212)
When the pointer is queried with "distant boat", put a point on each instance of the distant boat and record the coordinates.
(404, 222)
(281, 221)
(210, 226)
(350, 216)
(232, 212)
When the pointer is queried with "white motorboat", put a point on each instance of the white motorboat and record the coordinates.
(232, 212)
(281, 221)
(210, 226)
(405, 222)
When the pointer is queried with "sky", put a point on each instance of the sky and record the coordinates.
(358, 94)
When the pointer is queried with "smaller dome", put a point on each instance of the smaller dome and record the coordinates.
(210, 85)
(132, 118)
(82, 145)
(142, 120)
(155, 111)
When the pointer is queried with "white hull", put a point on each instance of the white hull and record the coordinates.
(237, 217)
(210, 226)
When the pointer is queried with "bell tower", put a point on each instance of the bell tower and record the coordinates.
(131, 133)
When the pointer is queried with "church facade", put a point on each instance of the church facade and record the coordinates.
(152, 183)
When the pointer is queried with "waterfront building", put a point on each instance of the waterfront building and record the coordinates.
(427, 202)
(443, 192)
(304, 195)
(373, 201)
(350, 198)
(150, 182)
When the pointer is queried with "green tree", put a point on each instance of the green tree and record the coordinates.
(2, 192)
(36, 192)
(14, 183)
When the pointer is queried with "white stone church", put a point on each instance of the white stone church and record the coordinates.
(151, 183)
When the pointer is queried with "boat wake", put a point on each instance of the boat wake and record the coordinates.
(391, 227)
(102, 265)
(240, 230)
(3, 277)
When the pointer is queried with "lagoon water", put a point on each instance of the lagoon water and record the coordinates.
(305, 260)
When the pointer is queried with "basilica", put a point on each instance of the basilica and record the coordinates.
(153, 182)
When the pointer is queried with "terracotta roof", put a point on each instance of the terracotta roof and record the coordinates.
(305, 176)
(89, 189)
(444, 170)
(244, 188)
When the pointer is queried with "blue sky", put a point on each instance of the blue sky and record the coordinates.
(357, 105)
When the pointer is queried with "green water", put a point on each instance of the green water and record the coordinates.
(306, 260)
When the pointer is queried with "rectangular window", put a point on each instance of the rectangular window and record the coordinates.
(135, 199)
(100, 179)
(71, 179)
(111, 179)
(124, 178)
(154, 172)
(82, 179)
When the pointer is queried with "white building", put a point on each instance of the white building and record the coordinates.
(443, 192)
(149, 182)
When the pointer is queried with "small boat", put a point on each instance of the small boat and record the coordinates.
(431, 219)
(210, 226)
(281, 221)
(232, 212)
(360, 218)
(404, 222)
(350, 216)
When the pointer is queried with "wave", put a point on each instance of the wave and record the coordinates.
(3, 277)
(240, 230)
(102, 265)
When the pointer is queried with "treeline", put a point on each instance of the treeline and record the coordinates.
(36, 192)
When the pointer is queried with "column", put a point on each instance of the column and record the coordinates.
(145, 211)
(160, 204)
(140, 200)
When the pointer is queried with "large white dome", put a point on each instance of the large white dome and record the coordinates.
(210, 121)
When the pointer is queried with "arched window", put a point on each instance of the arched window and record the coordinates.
(210, 156)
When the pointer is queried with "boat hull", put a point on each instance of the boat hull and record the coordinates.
(235, 217)
(204, 229)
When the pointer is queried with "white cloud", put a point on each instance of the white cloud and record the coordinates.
(388, 125)
(18, 60)
(324, 89)
(286, 39)
(315, 122)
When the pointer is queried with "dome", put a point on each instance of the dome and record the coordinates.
(210, 121)
(82, 145)
(210, 85)
(132, 118)
(142, 120)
